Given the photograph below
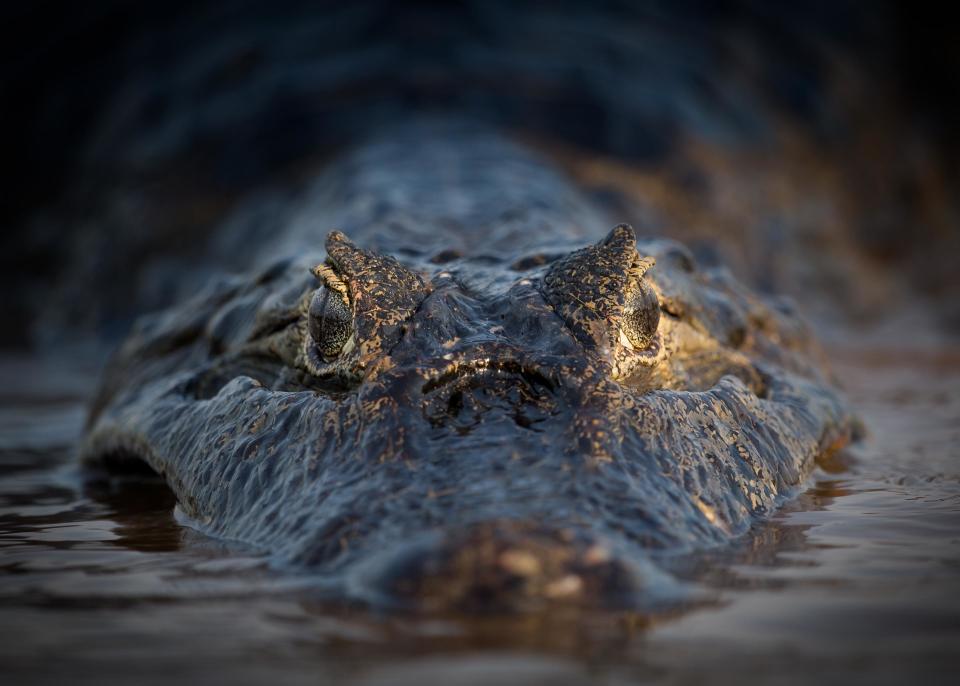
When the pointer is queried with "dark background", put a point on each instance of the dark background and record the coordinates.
(181, 109)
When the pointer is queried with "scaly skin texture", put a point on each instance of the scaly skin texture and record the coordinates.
(488, 435)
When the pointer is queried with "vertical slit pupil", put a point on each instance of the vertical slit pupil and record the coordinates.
(641, 316)
(330, 322)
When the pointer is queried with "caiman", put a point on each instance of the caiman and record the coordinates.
(452, 380)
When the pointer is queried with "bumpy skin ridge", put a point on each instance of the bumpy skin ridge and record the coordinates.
(489, 435)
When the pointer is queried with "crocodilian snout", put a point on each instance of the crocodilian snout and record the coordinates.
(500, 566)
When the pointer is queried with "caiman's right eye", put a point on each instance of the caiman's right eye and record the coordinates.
(641, 316)
(330, 322)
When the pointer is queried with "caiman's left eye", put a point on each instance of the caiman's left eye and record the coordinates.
(641, 316)
(606, 300)
(330, 321)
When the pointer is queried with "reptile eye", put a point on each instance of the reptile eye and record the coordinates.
(330, 322)
(641, 316)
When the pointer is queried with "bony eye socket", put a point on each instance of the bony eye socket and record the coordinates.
(330, 322)
(641, 317)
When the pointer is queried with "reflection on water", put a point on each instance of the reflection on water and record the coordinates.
(855, 580)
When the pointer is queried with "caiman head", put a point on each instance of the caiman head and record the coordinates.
(458, 433)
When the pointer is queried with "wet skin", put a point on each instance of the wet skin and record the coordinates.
(511, 408)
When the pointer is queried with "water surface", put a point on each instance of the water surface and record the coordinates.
(856, 580)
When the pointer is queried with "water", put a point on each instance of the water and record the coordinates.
(856, 580)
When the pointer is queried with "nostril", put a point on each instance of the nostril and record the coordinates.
(504, 567)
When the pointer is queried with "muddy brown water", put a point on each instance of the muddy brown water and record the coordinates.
(854, 581)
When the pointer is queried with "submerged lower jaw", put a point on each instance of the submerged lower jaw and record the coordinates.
(118, 452)
(506, 567)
